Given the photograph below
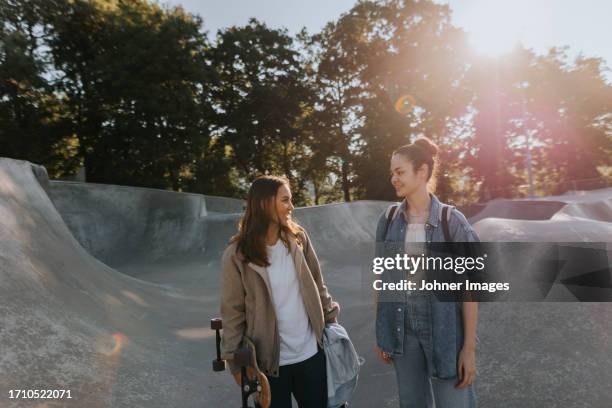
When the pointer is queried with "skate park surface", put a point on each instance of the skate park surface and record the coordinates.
(108, 291)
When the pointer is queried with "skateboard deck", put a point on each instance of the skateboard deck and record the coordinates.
(247, 357)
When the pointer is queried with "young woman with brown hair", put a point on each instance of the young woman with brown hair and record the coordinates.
(273, 293)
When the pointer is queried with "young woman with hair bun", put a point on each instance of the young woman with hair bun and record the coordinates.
(431, 344)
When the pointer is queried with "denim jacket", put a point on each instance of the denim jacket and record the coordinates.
(342, 365)
(447, 317)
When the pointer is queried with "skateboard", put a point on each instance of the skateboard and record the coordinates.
(253, 380)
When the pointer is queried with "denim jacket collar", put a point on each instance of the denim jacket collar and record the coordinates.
(434, 212)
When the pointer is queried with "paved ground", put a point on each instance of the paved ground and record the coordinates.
(108, 291)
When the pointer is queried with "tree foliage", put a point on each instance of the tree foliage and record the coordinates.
(138, 94)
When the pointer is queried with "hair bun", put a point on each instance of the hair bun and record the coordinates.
(426, 144)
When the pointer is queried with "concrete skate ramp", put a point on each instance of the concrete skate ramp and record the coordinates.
(576, 217)
(127, 225)
(108, 291)
(519, 210)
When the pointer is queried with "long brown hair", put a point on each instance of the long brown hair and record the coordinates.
(253, 227)
(422, 151)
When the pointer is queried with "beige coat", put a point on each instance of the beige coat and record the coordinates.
(247, 308)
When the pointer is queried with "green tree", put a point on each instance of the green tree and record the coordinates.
(557, 109)
(134, 77)
(33, 122)
(372, 58)
(261, 101)
(574, 114)
(340, 56)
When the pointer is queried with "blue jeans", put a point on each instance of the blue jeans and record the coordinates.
(417, 388)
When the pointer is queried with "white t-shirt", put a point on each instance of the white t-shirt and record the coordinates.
(414, 243)
(297, 339)
(414, 240)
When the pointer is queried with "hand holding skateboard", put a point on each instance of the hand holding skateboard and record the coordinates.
(252, 380)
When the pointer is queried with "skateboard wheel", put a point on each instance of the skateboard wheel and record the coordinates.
(218, 365)
(216, 323)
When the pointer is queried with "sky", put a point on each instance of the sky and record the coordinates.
(495, 25)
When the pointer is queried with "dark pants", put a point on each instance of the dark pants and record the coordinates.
(306, 380)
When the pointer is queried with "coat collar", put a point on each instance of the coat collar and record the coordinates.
(434, 212)
(294, 250)
(293, 246)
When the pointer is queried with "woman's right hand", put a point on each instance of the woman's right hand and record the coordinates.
(237, 377)
(385, 357)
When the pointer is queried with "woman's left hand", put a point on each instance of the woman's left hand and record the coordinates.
(466, 369)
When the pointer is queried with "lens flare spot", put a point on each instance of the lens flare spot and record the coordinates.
(195, 333)
(135, 298)
(112, 346)
(405, 104)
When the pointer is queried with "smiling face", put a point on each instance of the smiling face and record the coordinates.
(404, 178)
(283, 206)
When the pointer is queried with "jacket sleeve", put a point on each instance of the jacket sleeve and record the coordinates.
(465, 233)
(330, 308)
(232, 309)
(462, 231)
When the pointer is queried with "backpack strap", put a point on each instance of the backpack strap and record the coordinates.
(445, 218)
(446, 214)
(390, 213)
